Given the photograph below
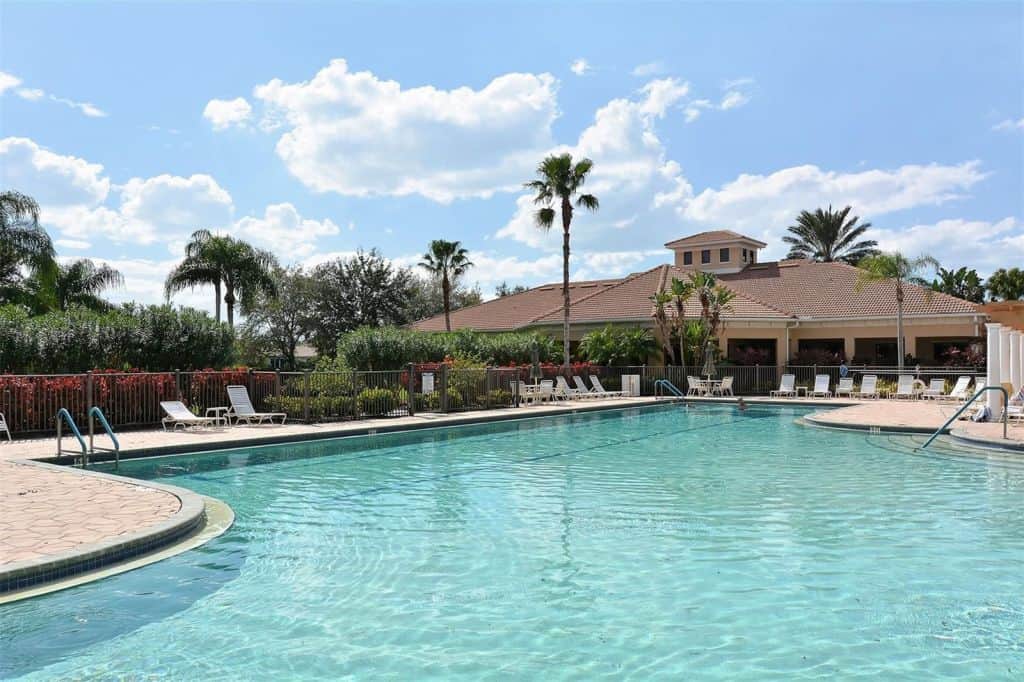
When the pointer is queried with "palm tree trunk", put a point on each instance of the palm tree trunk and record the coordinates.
(446, 301)
(566, 221)
(216, 290)
(229, 301)
(899, 325)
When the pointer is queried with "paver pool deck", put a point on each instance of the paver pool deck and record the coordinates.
(49, 512)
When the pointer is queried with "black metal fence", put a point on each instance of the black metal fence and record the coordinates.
(132, 399)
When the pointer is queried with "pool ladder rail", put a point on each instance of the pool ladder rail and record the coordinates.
(1006, 401)
(668, 387)
(95, 413)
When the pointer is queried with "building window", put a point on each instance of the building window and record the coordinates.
(723, 255)
(744, 255)
(705, 256)
(687, 257)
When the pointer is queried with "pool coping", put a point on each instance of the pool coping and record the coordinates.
(21, 576)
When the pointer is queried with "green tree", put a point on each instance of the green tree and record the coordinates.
(503, 289)
(426, 300)
(81, 282)
(235, 266)
(617, 346)
(364, 290)
(560, 181)
(446, 262)
(1006, 284)
(278, 324)
(897, 269)
(962, 283)
(24, 245)
(828, 236)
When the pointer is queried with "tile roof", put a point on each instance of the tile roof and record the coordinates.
(710, 237)
(782, 290)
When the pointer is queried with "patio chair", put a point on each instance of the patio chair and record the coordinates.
(845, 387)
(547, 390)
(822, 386)
(600, 390)
(242, 409)
(724, 388)
(787, 387)
(936, 389)
(3, 427)
(179, 415)
(904, 388)
(959, 392)
(868, 387)
(694, 386)
(564, 390)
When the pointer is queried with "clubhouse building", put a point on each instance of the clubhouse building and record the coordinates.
(780, 308)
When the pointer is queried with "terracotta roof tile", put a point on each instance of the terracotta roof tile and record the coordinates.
(710, 237)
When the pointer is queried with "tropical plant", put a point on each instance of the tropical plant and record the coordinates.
(80, 283)
(223, 261)
(425, 298)
(278, 324)
(665, 326)
(962, 283)
(828, 236)
(898, 269)
(446, 262)
(23, 244)
(1006, 284)
(617, 346)
(503, 289)
(559, 183)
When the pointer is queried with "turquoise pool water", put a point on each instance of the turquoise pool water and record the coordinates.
(669, 542)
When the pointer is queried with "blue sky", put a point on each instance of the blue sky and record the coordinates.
(314, 129)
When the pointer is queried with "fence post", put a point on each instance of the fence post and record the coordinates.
(305, 396)
(487, 388)
(277, 383)
(251, 384)
(88, 403)
(444, 388)
(177, 383)
(412, 390)
(757, 380)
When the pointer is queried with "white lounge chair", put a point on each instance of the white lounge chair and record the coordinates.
(822, 386)
(845, 387)
(868, 387)
(3, 427)
(959, 392)
(787, 387)
(564, 390)
(724, 388)
(242, 409)
(936, 389)
(600, 390)
(904, 387)
(581, 386)
(179, 415)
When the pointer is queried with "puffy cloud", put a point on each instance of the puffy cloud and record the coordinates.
(661, 94)
(1004, 240)
(1009, 125)
(693, 109)
(649, 69)
(283, 231)
(53, 179)
(8, 82)
(169, 203)
(356, 134)
(225, 113)
(580, 67)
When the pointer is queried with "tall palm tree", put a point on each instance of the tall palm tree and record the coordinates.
(900, 270)
(446, 261)
(229, 264)
(23, 242)
(828, 236)
(560, 181)
(81, 282)
(963, 283)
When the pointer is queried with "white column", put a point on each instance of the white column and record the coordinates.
(1004, 355)
(992, 376)
(1015, 360)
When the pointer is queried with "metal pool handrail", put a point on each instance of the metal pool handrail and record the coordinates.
(98, 414)
(62, 416)
(667, 385)
(1006, 401)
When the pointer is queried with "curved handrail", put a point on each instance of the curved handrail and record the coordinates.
(98, 413)
(668, 386)
(1006, 401)
(63, 413)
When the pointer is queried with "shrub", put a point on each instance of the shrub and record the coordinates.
(617, 346)
(377, 401)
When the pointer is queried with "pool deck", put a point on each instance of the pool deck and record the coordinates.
(52, 516)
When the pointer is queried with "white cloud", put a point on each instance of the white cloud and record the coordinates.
(86, 108)
(225, 113)
(53, 179)
(31, 94)
(649, 69)
(580, 67)
(1009, 125)
(9, 82)
(661, 94)
(734, 83)
(693, 109)
(71, 244)
(356, 134)
(283, 231)
(945, 240)
(733, 100)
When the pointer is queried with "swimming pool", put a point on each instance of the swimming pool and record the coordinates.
(656, 542)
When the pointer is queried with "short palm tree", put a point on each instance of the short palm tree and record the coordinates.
(1006, 284)
(559, 183)
(963, 283)
(900, 270)
(229, 264)
(447, 262)
(23, 242)
(828, 236)
(81, 282)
